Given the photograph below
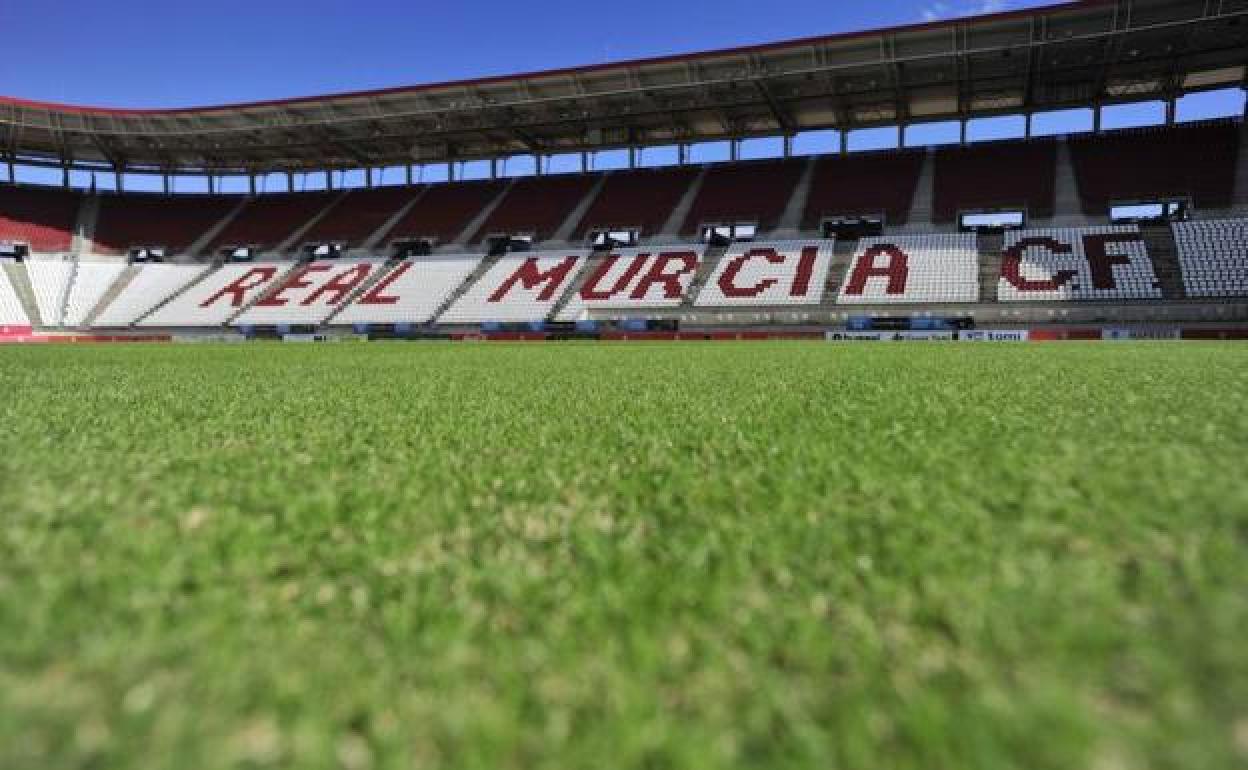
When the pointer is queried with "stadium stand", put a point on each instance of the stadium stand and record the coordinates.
(11, 311)
(151, 286)
(42, 218)
(413, 291)
(310, 293)
(995, 175)
(359, 215)
(634, 279)
(1213, 256)
(171, 222)
(445, 210)
(268, 220)
(519, 287)
(876, 183)
(91, 281)
(641, 199)
(537, 205)
(1195, 161)
(755, 191)
(1093, 263)
(219, 296)
(49, 279)
(768, 274)
(913, 269)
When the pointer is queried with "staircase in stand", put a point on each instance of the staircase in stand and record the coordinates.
(706, 268)
(112, 294)
(1165, 255)
(25, 293)
(462, 289)
(842, 257)
(990, 247)
(381, 272)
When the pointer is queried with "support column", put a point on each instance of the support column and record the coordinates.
(734, 150)
(1096, 118)
(164, 180)
(962, 132)
(682, 154)
(788, 146)
(251, 184)
(119, 175)
(584, 162)
(65, 179)
(368, 177)
(12, 172)
(493, 168)
(843, 142)
(537, 164)
(329, 180)
(450, 171)
(290, 181)
(1027, 127)
(1171, 107)
(407, 174)
(212, 185)
(632, 157)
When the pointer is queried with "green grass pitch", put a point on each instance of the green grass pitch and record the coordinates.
(624, 556)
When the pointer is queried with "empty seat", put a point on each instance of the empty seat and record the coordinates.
(268, 220)
(537, 206)
(359, 215)
(1213, 256)
(150, 286)
(995, 175)
(519, 287)
(1091, 263)
(641, 199)
(873, 183)
(91, 281)
(413, 291)
(444, 210)
(219, 295)
(634, 279)
(769, 274)
(913, 269)
(310, 293)
(49, 280)
(11, 311)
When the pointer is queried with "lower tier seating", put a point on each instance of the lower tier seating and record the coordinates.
(520, 287)
(633, 279)
(91, 281)
(310, 293)
(151, 285)
(1214, 257)
(766, 274)
(49, 280)
(411, 292)
(220, 295)
(913, 269)
(11, 311)
(1093, 263)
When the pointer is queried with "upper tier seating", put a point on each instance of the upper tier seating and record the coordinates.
(42, 218)
(1092, 263)
(871, 183)
(633, 279)
(310, 293)
(1157, 162)
(766, 274)
(91, 281)
(359, 215)
(152, 285)
(172, 222)
(1214, 257)
(11, 311)
(49, 280)
(995, 175)
(445, 210)
(537, 205)
(757, 191)
(413, 291)
(643, 198)
(220, 295)
(913, 268)
(519, 287)
(268, 220)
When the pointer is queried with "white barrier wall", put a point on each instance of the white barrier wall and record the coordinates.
(634, 279)
(519, 287)
(1214, 257)
(310, 293)
(220, 295)
(769, 274)
(152, 285)
(1091, 263)
(913, 269)
(413, 291)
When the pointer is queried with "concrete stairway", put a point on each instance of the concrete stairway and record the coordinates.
(112, 294)
(706, 268)
(362, 289)
(790, 225)
(209, 269)
(84, 227)
(920, 217)
(990, 247)
(25, 293)
(465, 237)
(670, 232)
(199, 244)
(564, 234)
(1067, 207)
(595, 261)
(471, 280)
(371, 243)
(294, 239)
(1165, 255)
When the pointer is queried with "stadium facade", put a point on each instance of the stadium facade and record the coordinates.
(1142, 228)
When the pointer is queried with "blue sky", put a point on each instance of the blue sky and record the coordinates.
(172, 53)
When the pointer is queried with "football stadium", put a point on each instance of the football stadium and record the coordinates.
(877, 398)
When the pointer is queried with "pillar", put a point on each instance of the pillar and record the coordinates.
(493, 168)
(368, 177)
(734, 150)
(788, 146)
(450, 171)
(1171, 106)
(632, 157)
(843, 141)
(290, 181)
(407, 174)
(164, 181)
(251, 184)
(1096, 118)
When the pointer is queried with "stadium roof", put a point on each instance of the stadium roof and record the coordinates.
(1070, 55)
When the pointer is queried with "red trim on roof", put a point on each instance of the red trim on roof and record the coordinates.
(739, 51)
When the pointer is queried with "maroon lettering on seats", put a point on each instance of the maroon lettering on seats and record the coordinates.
(1100, 262)
(1012, 265)
(257, 276)
(897, 270)
(296, 281)
(531, 276)
(590, 290)
(377, 295)
(671, 281)
(728, 281)
(340, 285)
(805, 269)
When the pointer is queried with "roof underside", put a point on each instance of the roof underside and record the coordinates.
(1073, 55)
